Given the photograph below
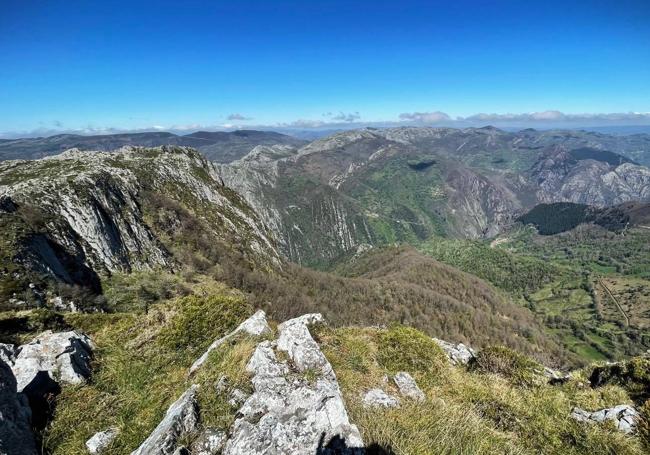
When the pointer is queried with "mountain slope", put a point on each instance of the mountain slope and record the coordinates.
(379, 186)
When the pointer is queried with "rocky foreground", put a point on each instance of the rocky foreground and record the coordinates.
(295, 403)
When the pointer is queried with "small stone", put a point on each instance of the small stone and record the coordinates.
(376, 398)
(221, 385)
(458, 354)
(237, 398)
(210, 442)
(624, 416)
(408, 387)
(101, 441)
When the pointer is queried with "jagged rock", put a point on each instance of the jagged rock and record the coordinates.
(210, 442)
(7, 353)
(16, 436)
(624, 416)
(181, 418)
(64, 356)
(101, 441)
(237, 397)
(458, 354)
(256, 325)
(287, 413)
(221, 385)
(377, 398)
(408, 387)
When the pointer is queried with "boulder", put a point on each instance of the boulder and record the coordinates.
(16, 436)
(63, 356)
(256, 325)
(458, 354)
(624, 416)
(101, 441)
(181, 418)
(377, 398)
(408, 387)
(286, 412)
(210, 442)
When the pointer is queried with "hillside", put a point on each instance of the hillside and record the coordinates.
(379, 186)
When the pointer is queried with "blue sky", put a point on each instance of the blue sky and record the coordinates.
(94, 66)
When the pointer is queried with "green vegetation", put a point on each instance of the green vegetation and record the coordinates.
(555, 218)
(141, 365)
(500, 406)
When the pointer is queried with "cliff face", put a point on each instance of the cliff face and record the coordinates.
(78, 215)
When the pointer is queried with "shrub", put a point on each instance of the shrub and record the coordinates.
(633, 374)
(199, 320)
(406, 349)
(505, 362)
(643, 427)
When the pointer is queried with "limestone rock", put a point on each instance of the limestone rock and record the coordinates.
(101, 441)
(458, 354)
(16, 437)
(256, 325)
(408, 387)
(181, 418)
(287, 413)
(7, 353)
(64, 356)
(237, 397)
(210, 442)
(377, 398)
(624, 416)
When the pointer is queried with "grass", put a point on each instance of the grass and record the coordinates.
(485, 410)
(140, 368)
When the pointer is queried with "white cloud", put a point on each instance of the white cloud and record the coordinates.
(425, 117)
(238, 117)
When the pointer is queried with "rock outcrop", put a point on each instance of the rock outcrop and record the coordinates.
(377, 398)
(624, 416)
(63, 356)
(16, 436)
(101, 441)
(210, 442)
(256, 325)
(181, 418)
(408, 387)
(288, 411)
(458, 354)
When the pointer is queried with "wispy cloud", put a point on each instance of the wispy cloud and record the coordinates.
(238, 117)
(343, 117)
(425, 117)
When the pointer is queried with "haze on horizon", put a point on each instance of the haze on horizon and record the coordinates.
(133, 66)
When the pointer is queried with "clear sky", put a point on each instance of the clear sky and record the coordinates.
(82, 64)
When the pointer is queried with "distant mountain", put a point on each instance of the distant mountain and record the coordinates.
(380, 186)
(219, 146)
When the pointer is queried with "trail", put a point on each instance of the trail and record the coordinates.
(618, 305)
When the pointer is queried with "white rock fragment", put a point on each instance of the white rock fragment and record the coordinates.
(377, 398)
(210, 442)
(181, 418)
(237, 397)
(256, 325)
(64, 356)
(287, 414)
(101, 441)
(7, 353)
(458, 354)
(624, 416)
(408, 387)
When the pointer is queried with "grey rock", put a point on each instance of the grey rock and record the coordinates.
(408, 387)
(7, 353)
(16, 436)
(256, 325)
(211, 441)
(181, 418)
(286, 414)
(377, 398)
(237, 397)
(624, 416)
(101, 440)
(458, 354)
(64, 356)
